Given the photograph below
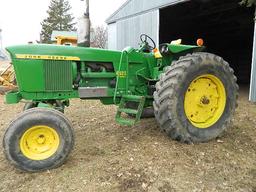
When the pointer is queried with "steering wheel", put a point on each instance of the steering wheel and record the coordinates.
(144, 39)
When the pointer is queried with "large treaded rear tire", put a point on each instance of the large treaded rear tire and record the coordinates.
(38, 117)
(172, 87)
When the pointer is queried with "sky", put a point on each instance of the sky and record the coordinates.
(20, 19)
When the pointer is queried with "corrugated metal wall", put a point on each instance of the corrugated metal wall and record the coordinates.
(135, 7)
(112, 36)
(129, 30)
(134, 18)
(252, 96)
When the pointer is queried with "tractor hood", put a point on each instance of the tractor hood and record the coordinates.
(60, 52)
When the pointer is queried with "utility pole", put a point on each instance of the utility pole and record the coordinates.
(84, 27)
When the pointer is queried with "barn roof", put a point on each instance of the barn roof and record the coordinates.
(135, 7)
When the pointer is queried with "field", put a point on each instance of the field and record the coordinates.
(108, 157)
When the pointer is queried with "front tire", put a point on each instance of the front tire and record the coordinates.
(38, 139)
(195, 98)
(30, 105)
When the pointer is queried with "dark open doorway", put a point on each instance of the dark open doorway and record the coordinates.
(226, 27)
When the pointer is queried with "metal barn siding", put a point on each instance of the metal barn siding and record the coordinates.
(137, 7)
(134, 18)
(112, 36)
(252, 96)
(129, 30)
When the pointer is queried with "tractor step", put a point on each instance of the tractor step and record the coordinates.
(128, 111)
(125, 122)
(131, 120)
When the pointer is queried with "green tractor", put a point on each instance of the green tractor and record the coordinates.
(191, 93)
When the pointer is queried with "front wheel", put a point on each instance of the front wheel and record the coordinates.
(38, 139)
(30, 105)
(55, 104)
(195, 98)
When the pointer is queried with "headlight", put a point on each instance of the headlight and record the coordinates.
(164, 49)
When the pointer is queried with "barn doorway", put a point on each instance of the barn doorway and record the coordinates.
(226, 27)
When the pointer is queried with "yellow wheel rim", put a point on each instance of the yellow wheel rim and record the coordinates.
(39, 142)
(205, 101)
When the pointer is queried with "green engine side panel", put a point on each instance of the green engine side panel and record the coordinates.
(43, 75)
(30, 75)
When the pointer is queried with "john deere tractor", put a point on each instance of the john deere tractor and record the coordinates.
(191, 93)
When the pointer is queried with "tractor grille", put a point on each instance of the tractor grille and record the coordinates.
(58, 75)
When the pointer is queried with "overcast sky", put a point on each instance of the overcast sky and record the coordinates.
(20, 19)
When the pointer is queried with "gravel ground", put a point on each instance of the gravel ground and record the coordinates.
(108, 157)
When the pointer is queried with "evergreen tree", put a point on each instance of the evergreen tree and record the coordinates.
(59, 18)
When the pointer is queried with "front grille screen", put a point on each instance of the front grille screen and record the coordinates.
(58, 75)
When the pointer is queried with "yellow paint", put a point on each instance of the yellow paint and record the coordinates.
(121, 74)
(205, 101)
(39, 142)
(47, 57)
(157, 53)
(63, 40)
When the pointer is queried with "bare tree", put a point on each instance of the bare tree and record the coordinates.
(99, 37)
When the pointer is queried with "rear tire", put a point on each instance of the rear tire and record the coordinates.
(38, 139)
(170, 98)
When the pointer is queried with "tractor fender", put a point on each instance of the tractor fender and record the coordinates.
(179, 48)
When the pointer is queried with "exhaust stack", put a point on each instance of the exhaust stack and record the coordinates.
(84, 26)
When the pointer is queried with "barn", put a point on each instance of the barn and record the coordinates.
(226, 27)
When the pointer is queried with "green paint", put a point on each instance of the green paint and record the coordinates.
(50, 72)
(122, 109)
(181, 48)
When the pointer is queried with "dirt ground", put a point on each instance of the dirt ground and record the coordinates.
(108, 157)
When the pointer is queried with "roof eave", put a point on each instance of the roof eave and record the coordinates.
(109, 20)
